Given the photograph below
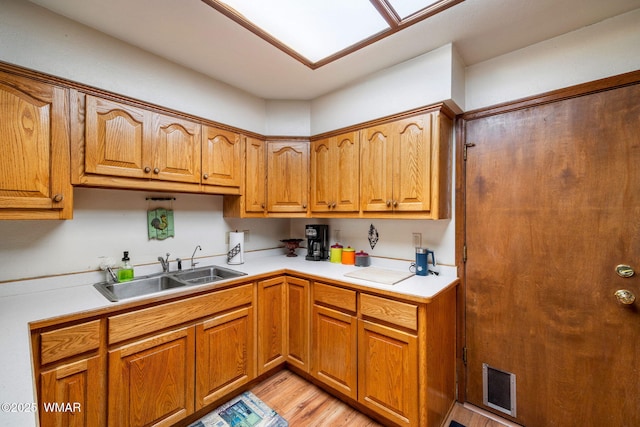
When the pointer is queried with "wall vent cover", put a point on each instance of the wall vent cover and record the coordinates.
(499, 390)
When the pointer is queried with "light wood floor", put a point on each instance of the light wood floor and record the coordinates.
(303, 404)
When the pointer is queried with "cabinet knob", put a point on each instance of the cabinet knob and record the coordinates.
(205, 176)
(625, 297)
(304, 206)
(388, 203)
(329, 205)
(147, 169)
(156, 171)
(395, 203)
(58, 198)
(262, 205)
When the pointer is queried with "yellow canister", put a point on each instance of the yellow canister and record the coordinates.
(348, 255)
(335, 253)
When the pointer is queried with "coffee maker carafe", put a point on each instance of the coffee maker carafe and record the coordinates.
(317, 242)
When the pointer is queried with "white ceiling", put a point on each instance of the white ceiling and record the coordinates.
(196, 36)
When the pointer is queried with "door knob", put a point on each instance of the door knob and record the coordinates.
(625, 297)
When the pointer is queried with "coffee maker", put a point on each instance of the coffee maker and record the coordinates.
(317, 242)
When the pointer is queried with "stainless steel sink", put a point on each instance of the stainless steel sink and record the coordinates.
(210, 274)
(138, 287)
(162, 282)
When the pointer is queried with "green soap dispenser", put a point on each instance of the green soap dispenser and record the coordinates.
(125, 273)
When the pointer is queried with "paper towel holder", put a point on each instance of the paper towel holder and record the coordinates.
(235, 255)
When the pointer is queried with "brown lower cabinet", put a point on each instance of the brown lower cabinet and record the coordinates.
(160, 363)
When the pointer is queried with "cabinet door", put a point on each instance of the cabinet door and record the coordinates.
(221, 155)
(323, 172)
(334, 359)
(255, 176)
(176, 149)
(376, 168)
(34, 165)
(151, 382)
(71, 394)
(347, 170)
(335, 174)
(288, 176)
(412, 168)
(225, 355)
(117, 138)
(272, 341)
(388, 372)
(298, 322)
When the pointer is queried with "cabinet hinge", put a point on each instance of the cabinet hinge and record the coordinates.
(466, 147)
(464, 355)
(464, 253)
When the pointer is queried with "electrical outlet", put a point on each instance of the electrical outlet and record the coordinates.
(417, 240)
(246, 236)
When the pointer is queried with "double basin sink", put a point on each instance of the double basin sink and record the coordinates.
(149, 285)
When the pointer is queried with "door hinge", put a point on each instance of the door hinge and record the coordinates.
(464, 253)
(466, 147)
(464, 355)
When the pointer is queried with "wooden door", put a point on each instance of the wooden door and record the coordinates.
(323, 171)
(225, 356)
(552, 207)
(176, 149)
(272, 340)
(34, 164)
(346, 167)
(151, 382)
(376, 168)
(255, 176)
(298, 322)
(335, 349)
(412, 167)
(388, 372)
(118, 139)
(288, 176)
(221, 155)
(77, 389)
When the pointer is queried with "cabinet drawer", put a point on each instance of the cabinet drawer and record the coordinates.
(141, 322)
(70, 341)
(334, 296)
(388, 310)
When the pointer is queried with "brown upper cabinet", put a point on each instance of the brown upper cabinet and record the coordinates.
(405, 167)
(124, 141)
(221, 158)
(34, 164)
(335, 174)
(287, 177)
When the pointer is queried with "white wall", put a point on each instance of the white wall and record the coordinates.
(36, 38)
(420, 81)
(601, 50)
(288, 118)
(395, 236)
(108, 222)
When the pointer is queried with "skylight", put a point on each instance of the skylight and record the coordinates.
(317, 32)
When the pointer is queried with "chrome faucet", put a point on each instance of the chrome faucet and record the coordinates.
(193, 264)
(165, 263)
(112, 273)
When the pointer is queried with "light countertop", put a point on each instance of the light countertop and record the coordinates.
(27, 301)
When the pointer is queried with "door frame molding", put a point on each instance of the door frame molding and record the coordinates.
(601, 85)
